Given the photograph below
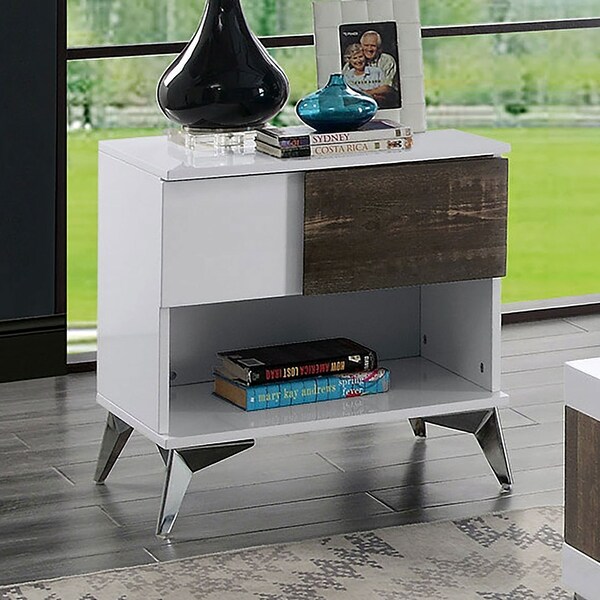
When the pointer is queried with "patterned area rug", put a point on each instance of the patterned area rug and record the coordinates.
(510, 556)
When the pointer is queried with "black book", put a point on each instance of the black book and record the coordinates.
(254, 366)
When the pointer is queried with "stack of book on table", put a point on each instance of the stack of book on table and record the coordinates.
(292, 142)
(299, 373)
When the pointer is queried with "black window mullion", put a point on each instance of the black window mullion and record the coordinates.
(300, 40)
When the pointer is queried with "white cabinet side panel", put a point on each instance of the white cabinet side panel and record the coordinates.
(129, 248)
(385, 320)
(232, 239)
(164, 368)
(580, 573)
(460, 322)
(496, 334)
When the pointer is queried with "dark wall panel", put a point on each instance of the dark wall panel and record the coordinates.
(32, 189)
(28, 154)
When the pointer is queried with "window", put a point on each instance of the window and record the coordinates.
(537, 88)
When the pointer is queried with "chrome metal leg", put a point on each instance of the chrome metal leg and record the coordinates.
(164, 454)
(115, 437)
(177, 480)
(485, 425)
(181, 465)
(419, 427)
(491, 439)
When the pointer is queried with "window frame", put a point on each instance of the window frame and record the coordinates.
(511, 313)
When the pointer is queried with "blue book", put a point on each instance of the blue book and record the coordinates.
(303, 391)
(285, 397)
(258, 400)
(300, 389)
(273, 398)
(324, 387)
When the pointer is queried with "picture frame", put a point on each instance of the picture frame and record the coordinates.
(389, 34)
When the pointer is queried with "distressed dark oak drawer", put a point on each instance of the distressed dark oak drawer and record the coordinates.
(408, 224)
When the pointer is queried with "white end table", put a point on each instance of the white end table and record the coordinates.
(581, 550)
(401, 251)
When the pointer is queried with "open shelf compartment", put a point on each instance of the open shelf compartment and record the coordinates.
(417, 387)
(440, 342)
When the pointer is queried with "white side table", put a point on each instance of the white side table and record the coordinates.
(581, 550)
(401, 251)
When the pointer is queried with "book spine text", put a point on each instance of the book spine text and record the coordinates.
(305, 391)
(357, 147)
(345, 148)
(362, 362)
(316, 139)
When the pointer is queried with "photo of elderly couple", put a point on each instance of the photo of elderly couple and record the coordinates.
(369, 53)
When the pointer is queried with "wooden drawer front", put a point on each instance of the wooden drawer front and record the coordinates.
(388, 226)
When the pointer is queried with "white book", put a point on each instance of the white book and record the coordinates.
(336, 149)
(301, 135)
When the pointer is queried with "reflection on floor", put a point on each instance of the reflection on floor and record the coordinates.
(55, 521)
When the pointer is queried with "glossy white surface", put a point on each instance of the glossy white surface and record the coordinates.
(129, 256)
(232, 239)
(418, 388)
(171, 162)
(582, 386)
(580, 573)
(387, 320)
(211, 259)
(462, 325)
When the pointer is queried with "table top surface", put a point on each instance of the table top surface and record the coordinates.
(589, 366)
(582, 386)
(170, 161)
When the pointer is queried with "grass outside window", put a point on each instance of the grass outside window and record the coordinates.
(554, 214)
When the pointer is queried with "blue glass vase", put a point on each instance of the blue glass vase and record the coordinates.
(336, 107)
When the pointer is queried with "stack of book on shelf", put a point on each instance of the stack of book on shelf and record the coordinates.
(299, 373)
(292, 142)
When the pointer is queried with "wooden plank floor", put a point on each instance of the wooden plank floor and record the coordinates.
(55, 521)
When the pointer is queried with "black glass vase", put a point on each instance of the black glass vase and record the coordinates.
(224, 80)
